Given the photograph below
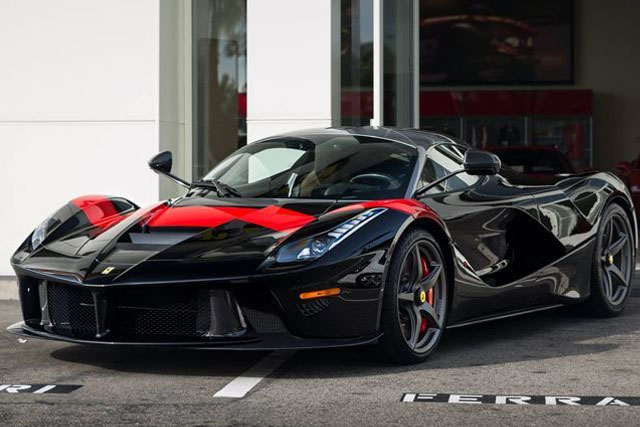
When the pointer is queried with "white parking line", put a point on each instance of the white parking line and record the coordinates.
(241, 385)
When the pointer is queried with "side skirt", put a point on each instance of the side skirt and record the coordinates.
(503, 316)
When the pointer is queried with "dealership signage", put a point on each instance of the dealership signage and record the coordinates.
(511, 399)
(38, 388)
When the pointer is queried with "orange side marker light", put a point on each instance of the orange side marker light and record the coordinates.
(319, 294)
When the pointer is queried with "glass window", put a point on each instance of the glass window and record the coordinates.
(495, 42)
(267, 163)
(327, 167)
(447, 125)
(532, 160)
(441, 161)
(356, 58)
(356, 62)
(219, 81)
(398, 63)
(495, 131)
(570, 135)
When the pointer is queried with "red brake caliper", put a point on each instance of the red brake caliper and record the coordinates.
(425, 273)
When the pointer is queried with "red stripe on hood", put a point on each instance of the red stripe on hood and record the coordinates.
(278, 218)
(273, 217)
(408, 206)
(98, 209)
(195, 216)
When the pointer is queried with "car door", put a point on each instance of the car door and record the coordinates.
(498, 239)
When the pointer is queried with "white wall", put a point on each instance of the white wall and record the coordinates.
(78, 106)
(292, 69)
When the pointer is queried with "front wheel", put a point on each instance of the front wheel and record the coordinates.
(613, 264)
(414, 307)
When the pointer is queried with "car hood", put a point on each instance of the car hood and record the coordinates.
(191, 238)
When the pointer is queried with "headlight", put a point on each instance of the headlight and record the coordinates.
(38, 235)
(316, 246)
(40, 232)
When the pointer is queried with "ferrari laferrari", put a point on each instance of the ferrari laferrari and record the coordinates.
(329, 238)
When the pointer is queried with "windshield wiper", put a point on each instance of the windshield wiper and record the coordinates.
(229, 190)
(223, 190)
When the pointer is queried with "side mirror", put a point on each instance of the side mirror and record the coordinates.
(478, 162)
(161, 163)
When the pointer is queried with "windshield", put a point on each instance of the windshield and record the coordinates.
(325, 167)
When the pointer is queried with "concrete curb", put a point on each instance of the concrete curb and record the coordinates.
(8, 290)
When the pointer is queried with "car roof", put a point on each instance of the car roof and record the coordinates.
(413, 137)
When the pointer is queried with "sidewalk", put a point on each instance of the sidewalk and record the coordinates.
(8, 289)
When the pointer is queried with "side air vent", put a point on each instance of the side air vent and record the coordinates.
(313, 307)
(153, 239)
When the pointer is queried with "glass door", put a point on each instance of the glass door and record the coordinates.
(219, 81)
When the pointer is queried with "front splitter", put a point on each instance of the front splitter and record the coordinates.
(265, 342)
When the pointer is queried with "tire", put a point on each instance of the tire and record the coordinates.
(415, 304)
(612, 265)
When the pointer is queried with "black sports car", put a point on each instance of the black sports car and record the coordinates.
(328, 238)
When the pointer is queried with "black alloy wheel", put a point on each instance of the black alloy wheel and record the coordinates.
(415, 302)
(613, 264)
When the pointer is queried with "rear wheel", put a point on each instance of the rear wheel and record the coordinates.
(415, 306)
(613, 265)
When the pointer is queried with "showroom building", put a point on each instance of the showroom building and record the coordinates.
(90, 90)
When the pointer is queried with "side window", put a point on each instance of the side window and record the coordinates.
(441, 161)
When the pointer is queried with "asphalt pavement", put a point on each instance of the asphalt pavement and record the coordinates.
(581, 371)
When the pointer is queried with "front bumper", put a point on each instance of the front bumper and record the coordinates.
(253, 316)
(265, 342)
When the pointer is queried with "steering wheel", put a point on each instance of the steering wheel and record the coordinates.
(388, 180)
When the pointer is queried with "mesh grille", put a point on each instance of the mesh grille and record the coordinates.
(265, 322)
(259, 310)
(171, 313)
(71, 310)
(313, 307)
(161, 313)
